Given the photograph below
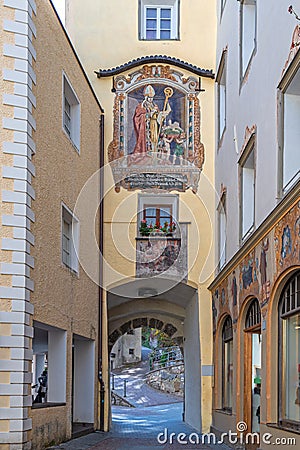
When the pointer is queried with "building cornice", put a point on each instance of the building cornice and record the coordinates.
(271, 220)
(164, 59)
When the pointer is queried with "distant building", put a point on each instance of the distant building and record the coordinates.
(127, 349)
(256, 297)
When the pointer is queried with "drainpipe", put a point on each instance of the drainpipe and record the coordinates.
(100, 355)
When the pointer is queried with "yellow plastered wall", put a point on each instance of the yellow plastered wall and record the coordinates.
(105, 35)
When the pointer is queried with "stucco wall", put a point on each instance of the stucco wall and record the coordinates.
(61, 298)
(254, 102)
(96, 29)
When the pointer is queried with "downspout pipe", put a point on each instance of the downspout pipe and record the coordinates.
(100, 328)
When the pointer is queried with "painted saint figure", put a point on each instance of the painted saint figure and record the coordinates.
(147, 121)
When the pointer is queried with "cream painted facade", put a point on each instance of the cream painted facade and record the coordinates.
(106, 35)
(49, 304)
(257, 379)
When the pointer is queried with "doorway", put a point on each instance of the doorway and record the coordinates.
(83, 389)
(252, 375)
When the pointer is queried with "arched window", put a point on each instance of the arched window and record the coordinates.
(227, 364)
(289, 353)
(253, 317)
(252, 379)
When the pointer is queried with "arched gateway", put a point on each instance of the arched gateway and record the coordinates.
(176, 313)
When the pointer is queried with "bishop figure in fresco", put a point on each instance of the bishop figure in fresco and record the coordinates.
(148, 122)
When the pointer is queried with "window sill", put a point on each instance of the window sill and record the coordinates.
(72, 142)
(284, 427)
(46, 405)
(73, 272)
(155, 40)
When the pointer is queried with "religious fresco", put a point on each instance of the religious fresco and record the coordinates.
(156, 139)
(257, 272)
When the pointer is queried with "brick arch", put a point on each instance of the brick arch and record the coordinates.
(151, 322)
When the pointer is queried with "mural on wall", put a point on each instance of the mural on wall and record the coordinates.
(257, 272)
(156, 139)
(287, 239)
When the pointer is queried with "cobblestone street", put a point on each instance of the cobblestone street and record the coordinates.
(138, 428)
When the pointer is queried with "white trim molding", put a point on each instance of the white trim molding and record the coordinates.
(16, 237)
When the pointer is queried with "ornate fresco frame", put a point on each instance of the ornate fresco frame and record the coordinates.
(176, 177)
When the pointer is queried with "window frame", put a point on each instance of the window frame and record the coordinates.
(150, 200)
(244, 69)
(249, 148)
(68, 217)
(226, 340)
(221, 73)
(287, 79)
(173, 5)
(293, 312)
(73, 129)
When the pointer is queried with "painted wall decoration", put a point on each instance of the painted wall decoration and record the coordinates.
(161, 256)
(156, 130)
(257, 272)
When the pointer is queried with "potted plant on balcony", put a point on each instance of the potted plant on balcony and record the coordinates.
(144, 229)
(171, 228)
(157, 230)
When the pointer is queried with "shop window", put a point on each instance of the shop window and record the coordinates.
(48, 365)
(158, 20)
(71, 113)
(247, 33)
(247, 189)
(289, 131)
(253, 317)
(253, 348)
(221, 97)
(227, 372)
(289, 354)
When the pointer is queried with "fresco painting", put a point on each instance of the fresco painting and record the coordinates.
(156, 129)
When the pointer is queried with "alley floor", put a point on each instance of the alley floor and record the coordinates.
(139, 428)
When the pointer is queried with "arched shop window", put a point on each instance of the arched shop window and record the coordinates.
(289, 353)
(253, 364)
(253, 317)
(227, 364)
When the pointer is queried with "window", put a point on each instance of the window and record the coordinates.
(227, 372)
(157, 210)
(131, 351)
(158, 214)
(253, 317)
(221, 97)
(289, 353)
(247, 33)
(70, 239)
(247, 188)
(222, 231)
(289, 155)
(159, 20)
(71, 113)
(49, 366)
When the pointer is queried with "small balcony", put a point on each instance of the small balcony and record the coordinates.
(163, 255)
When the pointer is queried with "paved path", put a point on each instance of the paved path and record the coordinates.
(137, 429)
(139, 393)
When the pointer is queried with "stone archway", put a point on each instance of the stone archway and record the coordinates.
(168, 328)
(176, 312)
